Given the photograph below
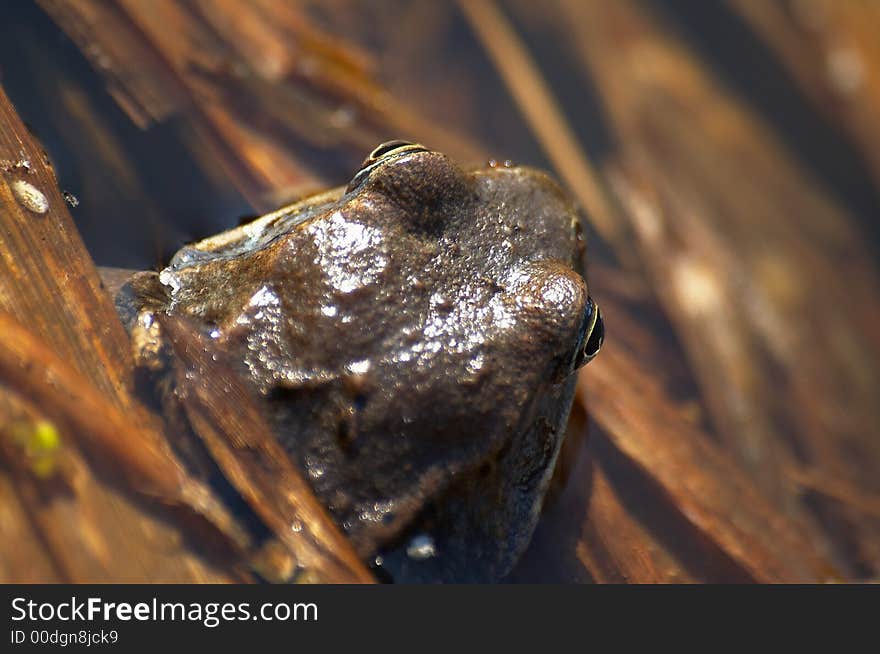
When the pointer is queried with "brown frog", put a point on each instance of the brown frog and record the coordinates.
(414, 336)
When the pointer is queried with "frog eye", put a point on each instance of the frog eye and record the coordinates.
(593, 335)
(390, 147)
(381, 154)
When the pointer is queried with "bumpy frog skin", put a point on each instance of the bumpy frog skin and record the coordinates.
(414, 336)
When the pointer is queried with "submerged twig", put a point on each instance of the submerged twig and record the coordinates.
(110, 437)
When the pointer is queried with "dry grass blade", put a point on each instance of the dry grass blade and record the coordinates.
(47, 279)
(700, 482)
(112, 441)
(535, 100)
(765, 279)
(832, 50)
(65, 353)
(254, 83)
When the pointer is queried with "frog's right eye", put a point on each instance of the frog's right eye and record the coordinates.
(592, 337)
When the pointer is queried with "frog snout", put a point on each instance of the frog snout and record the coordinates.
(562, 320)
(592, 335)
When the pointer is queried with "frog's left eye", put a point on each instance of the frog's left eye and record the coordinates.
(593, 335)
(380, 155)
(393, 147)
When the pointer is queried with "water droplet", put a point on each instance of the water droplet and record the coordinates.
(421, 547)
(29, 196)
(440, 302)
(359, 367)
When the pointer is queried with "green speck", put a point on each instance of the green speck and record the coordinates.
(41, 442)
(45, 438)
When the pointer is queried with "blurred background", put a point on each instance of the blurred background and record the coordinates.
(726, 156)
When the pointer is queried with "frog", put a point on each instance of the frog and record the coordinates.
(414, 337)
